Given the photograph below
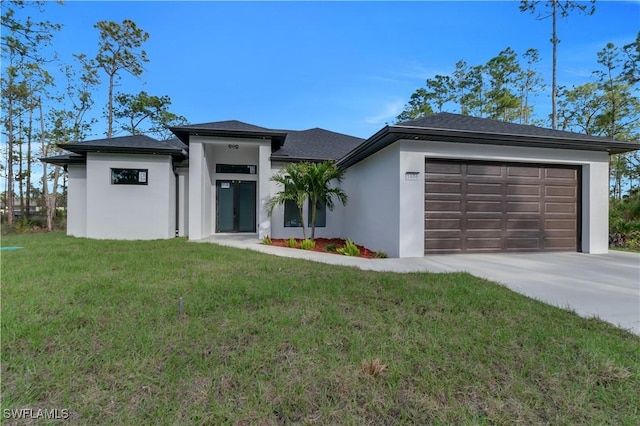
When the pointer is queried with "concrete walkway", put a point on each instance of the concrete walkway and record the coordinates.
(606, 286)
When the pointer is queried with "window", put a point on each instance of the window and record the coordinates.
(243, 169)
(129, 176)
(321, 214)
(291, 215)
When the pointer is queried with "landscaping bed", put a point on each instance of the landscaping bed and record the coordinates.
(328, 245)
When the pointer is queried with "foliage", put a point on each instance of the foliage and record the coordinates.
(266, 240)
(331, 247)
(133, 110)
(294, 189)
(291, 242)
(119, 50)
(92, 326)
(381, 255)
(624, 220)
(349, 249)
(307, 244)
(500, 89)
(308, 181)
(318, 177)
(551, 9)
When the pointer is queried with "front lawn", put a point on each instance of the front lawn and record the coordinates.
(93, 327)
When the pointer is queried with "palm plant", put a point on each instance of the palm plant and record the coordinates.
(319, 177)
(292, 178)
(308, 181)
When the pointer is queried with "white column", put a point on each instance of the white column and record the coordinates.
(595, 208)
(197, 163)
(264, 188)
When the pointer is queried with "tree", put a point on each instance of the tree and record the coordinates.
(503, 71)
(308, 181)
(119, 50)
(551, 8)
(319, 177)
(136, 109)
(529, 81)
(417, 107)
(294, 189)
(21, 41)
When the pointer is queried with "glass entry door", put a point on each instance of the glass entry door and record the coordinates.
(235, 206)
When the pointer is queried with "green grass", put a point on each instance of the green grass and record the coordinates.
(93, 327)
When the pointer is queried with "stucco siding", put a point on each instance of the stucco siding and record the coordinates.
(130, 212)
(372, 216)
(77, 200)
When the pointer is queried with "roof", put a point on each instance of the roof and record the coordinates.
(64, 159)
(135, 144)
(287, 145)
(315, 144)
(230, 128)
(447, 127)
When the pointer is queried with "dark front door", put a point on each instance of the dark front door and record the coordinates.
(235, 206)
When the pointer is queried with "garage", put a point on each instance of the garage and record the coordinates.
(480, 207)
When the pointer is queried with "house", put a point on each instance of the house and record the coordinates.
(445, 183)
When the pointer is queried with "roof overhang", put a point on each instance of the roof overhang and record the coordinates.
(84, 148)
(183, 133)
(390, 134)
(64, 159)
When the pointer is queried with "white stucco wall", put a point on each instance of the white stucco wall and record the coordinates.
(372, 216)
(77, 200)
(130, 212)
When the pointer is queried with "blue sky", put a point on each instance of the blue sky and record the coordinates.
(343, 66)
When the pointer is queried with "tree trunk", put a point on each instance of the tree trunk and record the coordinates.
(52, 199)
(28, 175)
(9, 200)
(554, 40)
(110, 107)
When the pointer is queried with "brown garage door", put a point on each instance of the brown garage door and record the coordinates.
(492, 207)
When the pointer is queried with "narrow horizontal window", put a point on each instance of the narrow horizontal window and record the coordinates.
(242, 169)
(129, 176)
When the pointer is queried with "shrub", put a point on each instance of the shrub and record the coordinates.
(307, 244)
(349, 249)
(291, 242)
(381, 255)
(331, 248)
(267, 240)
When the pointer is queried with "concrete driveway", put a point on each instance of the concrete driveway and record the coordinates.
(601, 285)
(606, 286)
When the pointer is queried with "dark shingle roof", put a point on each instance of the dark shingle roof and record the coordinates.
(227, 125)
(64, 159)
(287, 145)
(455, 128)
(315, 144)
(138, 144)
(462, 123)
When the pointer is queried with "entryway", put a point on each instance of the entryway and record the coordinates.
(235, 206)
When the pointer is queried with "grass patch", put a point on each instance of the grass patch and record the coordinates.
(93, 327)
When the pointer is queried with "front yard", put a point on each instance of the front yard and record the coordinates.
(92, 327)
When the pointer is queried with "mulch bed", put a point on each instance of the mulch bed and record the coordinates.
(322, 243)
